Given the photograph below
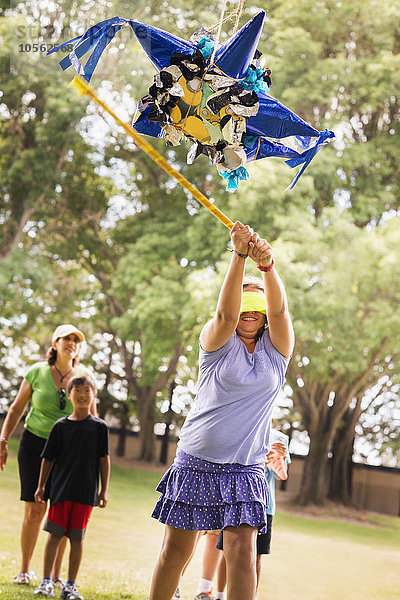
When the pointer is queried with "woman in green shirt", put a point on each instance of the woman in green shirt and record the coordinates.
(44, 387)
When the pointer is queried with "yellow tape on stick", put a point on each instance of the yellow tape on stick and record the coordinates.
(84, 89)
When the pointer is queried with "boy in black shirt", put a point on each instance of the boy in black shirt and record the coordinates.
(75, 453)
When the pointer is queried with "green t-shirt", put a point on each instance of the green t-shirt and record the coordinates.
(45, 400)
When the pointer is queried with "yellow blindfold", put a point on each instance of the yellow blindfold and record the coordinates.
(252, 301)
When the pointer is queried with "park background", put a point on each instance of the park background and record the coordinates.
(93, 233)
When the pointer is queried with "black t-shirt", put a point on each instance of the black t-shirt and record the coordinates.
(76, 448)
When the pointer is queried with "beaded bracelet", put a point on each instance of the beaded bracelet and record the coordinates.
(238, 253)
(267, 269)
(4, 440)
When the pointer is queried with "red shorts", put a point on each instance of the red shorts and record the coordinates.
(69, 519)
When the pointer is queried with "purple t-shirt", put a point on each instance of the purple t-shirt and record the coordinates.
(231, 418)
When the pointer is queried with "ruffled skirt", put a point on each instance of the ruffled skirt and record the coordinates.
(199, 495)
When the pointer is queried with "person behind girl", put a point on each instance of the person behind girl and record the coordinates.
(279, 446)
(75, 453)
(44, 387)
(213, 558)
(217, 480)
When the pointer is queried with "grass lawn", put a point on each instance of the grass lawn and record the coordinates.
(312, 559)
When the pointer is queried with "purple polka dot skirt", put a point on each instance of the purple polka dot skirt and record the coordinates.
(200, 495)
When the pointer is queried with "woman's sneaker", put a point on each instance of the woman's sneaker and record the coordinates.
(58, 583)
(70, 592)
(45, 588)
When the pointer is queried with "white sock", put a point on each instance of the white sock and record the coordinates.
(205, 585)
(220, 596)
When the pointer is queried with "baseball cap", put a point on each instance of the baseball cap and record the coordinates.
(64, 330)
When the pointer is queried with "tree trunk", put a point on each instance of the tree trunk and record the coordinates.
(165, 444)
(13, 238)
(313, 487)
(147, 438)
(340, 486)
(168, 422)
(322, 416)
(145, 399)
(341, 470)
(121, 447)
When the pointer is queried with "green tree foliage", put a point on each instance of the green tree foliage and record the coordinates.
(335, 64)
(37, 128)
(343, 299)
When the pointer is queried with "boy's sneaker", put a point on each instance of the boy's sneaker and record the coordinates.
(204, 596)
(45, 588)
(22, 578)
(177, 595)
(70, 592)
